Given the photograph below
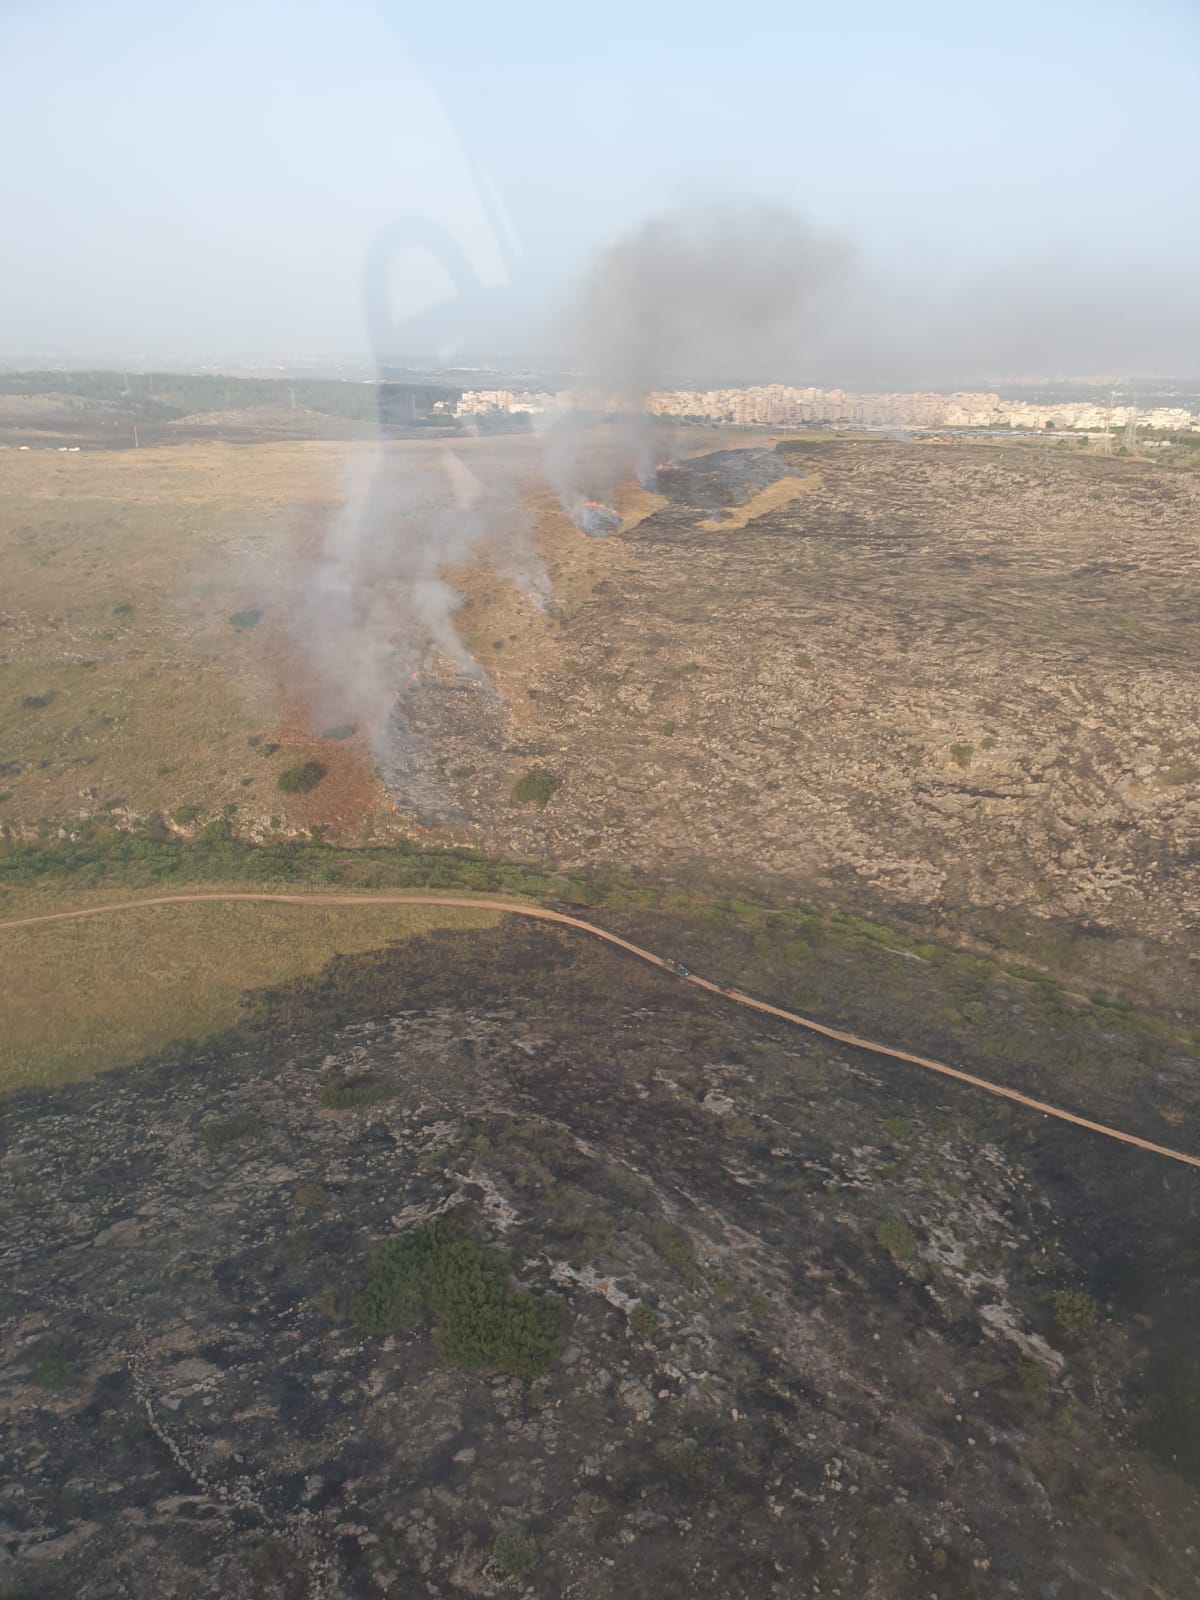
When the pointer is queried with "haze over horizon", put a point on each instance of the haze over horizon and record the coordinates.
(1003, 193)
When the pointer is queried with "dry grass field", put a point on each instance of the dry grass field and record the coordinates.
(82, 997)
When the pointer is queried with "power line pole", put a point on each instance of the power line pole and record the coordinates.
(1105, 446)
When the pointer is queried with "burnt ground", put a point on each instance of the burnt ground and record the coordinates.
(945, 681)
(858, 1383)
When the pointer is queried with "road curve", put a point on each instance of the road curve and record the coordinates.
(543, 914)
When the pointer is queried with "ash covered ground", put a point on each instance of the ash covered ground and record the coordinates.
(810, 1346)
(957, 681)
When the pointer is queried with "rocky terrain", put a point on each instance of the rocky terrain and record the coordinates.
(935, 677)
(825, 1330)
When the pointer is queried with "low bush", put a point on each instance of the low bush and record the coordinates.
(245, 619)
(515, 1553)
(897, 1238)
(478, 1321)
(51, 1363)
(1075, 1315)
(302, 778)
(535, 787)
(344, 730)
(37, 702)
(185, 814)
(339, 1093)
(219, 1134)
(644, 1321)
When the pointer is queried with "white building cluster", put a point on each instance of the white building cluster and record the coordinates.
(483, 402)
(776, 405)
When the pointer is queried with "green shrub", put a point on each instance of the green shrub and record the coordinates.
(312, 1197)
(344, 730)
(961, 754)
(478, 1321)
(644, 1321)
(897, 1238)
(302, 778)
(1075, 1315)
(674, 1246)
(37, 702)
(51, 1363)
(534, 787)
(246, 619)
(219, 1134)
(339, 1093)
(185, 814)
(898, 1128)
(122, 610)
(975, 1012)
(515, 1553)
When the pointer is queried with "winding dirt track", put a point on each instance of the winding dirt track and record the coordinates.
(542, 914)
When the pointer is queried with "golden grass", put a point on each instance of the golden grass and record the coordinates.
(122, 569)
(84, 997)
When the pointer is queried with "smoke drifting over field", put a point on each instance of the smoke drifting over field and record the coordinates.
(369, 604)
(716, 289)
(372, 611)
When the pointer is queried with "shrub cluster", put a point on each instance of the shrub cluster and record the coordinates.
(534, 787)
(302, 778)
(478, 1321)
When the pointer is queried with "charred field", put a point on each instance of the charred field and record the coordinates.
(902, 737)
(806, 1343)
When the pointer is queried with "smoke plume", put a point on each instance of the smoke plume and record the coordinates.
(703, 294)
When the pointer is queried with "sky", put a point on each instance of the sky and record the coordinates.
(324, 179)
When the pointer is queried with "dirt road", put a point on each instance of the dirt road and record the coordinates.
(542, 914)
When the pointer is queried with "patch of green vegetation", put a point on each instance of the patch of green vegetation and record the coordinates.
(674, 1246)
(344, 730)
(52, 1368)
(804, 660)
(220, 1134)
(961, 754)
(897, 1238)
(312, 1197)
(976, 1013)
(898, 1128)
(515, 1553)
(1075, 1315)
(645, 1322)
(758, 1305)
(300, 779)
(478, 1321)
(668, 727)
(122, 610)
(340, 1093)
(246, 619)
(182, 815)
(38, 702)
(535, 787)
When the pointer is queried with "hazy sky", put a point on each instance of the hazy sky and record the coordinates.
(1016, 182)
